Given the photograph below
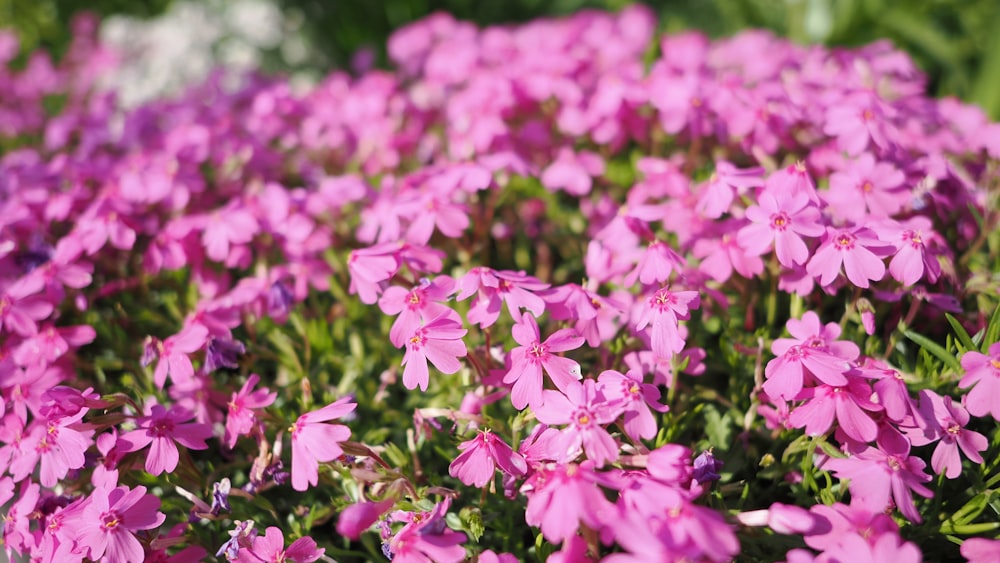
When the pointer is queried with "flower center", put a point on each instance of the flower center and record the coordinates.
(537, 350)
(780, 221)
(867, 187)
(162, 428)
(844, 241)
(111, 520)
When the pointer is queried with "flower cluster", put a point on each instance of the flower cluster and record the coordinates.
(589, 252)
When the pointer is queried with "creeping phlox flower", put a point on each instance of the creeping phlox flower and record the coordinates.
(982, 373)
(438, 341)
(533, 355)
(480, 458)
(314, 442)
(162, 429)
(486, 149)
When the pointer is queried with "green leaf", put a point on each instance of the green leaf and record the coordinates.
(935, 349)
(717, 428)
(992, 331)
(960, 333)
(472, 522)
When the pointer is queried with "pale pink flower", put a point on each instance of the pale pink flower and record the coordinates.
(314, 442)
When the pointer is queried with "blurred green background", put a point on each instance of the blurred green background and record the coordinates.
(956, 42)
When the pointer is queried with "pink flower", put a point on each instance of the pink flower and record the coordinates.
(878, 185)
(370, 268)
(20, 307)
(876, 476)
(415, 306)
(914, 259)
(159, 430)
(859, 251)
(532, 356)
(982, 372)
(573, 172)
(270, 548)
(585, 411)
(492, 288)
(242, 417)
(225, 228)
(56, 445)
(655, 265)
(824, 403)
(858, 119)
(561, 497)
(314, 442)
(358, 517)
(722, 186)
(784, 222)
(111, 518)
(949, 419)
(981, 550)
(480, 457)
(173, 354)
(636, 398)
(440, 341)
(664, 310)
(427, 539)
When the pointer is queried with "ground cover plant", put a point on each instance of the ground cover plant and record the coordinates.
(565, 291)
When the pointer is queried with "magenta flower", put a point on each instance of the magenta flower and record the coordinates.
(110, 519)
(160, 429)
(655, 265)
(584, 410)
(270, 548)
(173, 354)
(573, 172)
(877, 476)
(314, 442)
(663, 311)
(982, 372)
(532, 356)
(419, 305)
(226, 228)
(426, 539)
(440, 341)
(56, 445)
(493, 288)
(561, 497)
(635, 398)
(847, 404)
(858, 120)
(878, 185)
(371, 268)
(480, 457)
(949, 420)
(724, 184)
(782, 222)
(914, 259)
(20, 307)
(359, 517)
(241, 417)
(50, 343)
(860, 252)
